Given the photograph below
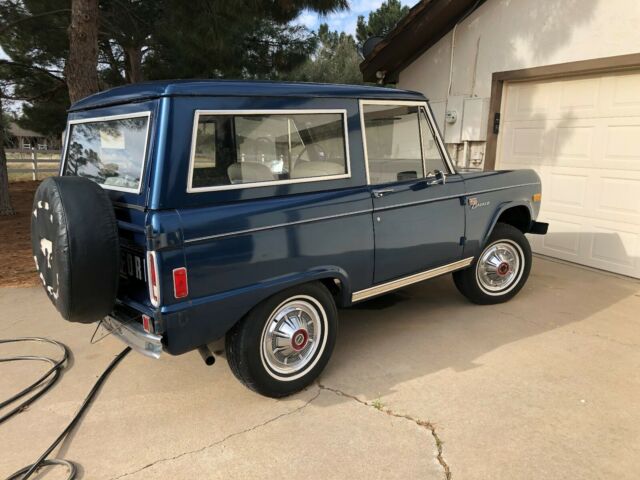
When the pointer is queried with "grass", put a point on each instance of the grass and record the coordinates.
(377, 404)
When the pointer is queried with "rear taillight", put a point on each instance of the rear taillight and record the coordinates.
(152, 273)
(180, 284)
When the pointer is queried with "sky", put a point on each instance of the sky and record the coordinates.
(345, 21)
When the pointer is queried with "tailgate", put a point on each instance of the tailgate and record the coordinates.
(133, 266)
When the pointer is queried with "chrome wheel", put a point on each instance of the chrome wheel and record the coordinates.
(500, 267)
(293, 337)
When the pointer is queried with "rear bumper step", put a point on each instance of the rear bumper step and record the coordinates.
(133, 334)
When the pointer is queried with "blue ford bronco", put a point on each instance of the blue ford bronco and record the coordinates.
(191, 211)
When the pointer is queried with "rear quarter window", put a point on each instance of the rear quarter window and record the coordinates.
(110, 150)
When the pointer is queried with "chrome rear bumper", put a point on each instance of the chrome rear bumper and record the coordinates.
(133, 335)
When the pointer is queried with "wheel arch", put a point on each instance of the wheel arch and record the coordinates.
(516, 214)
(187, 326)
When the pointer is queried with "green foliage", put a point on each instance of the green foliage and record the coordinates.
(229, 40)
(381, 21)
(33, 34)
(149, 39)
(336, 60)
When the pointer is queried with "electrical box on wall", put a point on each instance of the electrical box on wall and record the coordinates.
(454, 119)
(474, 123)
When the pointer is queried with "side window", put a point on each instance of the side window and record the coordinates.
(249, 149)
(394, 152)
(205, 152)
(432, 156)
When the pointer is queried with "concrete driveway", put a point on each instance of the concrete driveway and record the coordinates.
(421, 384)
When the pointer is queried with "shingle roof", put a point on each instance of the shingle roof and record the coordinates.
(17, 131)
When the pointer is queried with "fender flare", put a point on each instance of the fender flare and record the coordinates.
(499, 211)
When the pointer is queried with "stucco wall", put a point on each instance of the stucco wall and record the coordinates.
(513, 34)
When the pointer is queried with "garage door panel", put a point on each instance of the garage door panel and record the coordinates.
(528, 141)
(566, 190)
(582, 136)
(613, 248)
(619, 196)
(579, 98)
(597, 244)
(563, 238)
(573, 144)
(622, 144)
(530, 101)
(555, 142)
(622, 97)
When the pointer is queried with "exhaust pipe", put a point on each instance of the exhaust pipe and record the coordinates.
(207, 355)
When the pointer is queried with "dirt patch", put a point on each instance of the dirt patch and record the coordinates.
(16, 262)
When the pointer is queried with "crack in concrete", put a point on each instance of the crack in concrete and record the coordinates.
(421, 423)
(430, 427)
(221, 441)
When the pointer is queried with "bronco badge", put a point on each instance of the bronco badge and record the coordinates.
(473, 203)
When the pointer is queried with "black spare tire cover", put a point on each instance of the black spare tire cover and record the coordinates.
(74, 238)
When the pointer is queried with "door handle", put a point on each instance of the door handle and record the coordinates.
(381, 192)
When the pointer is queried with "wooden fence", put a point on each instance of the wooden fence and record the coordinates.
(32, 161)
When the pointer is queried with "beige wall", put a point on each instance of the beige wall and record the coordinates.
(513, 34)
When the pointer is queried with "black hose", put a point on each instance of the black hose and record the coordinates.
(46, 381)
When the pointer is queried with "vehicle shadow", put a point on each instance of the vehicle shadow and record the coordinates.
(429, 327)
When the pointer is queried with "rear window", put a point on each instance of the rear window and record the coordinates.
(241, 150)
(109, 151)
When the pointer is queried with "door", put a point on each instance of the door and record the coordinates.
(581, 135)
(418, 218)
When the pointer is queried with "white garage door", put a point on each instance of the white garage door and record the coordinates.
(582, 135)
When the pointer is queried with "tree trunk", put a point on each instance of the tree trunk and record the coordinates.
(133, 64)
(81, 69)
(5, 199)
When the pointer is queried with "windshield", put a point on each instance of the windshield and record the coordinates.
(109, 151)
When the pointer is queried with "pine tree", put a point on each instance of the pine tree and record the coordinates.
(380, 21)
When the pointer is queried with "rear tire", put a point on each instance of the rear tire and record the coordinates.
(501, 269)
(283, 344)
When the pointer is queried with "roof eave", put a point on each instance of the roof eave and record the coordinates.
(425, 24)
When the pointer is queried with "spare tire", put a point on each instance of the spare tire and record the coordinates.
(74, 238)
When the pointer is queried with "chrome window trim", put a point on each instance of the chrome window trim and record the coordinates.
(194, 130)
(107, 118)
(428, 118)
(277, 225)
(422, 154)
(438, 136)
(409, 103)
(409, 280)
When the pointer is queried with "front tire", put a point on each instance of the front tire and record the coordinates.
(283, 344)
(501, 269)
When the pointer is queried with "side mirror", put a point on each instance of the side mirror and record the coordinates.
(438, 177)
